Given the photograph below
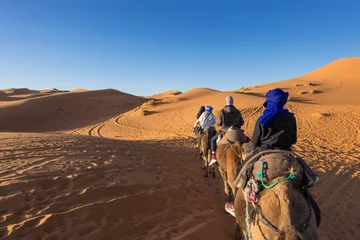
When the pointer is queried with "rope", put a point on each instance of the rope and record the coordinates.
(251, 185)
(237, 154)
(263, 219)
(248, 217)
(229, 143)
(303, 227)
(260, 175)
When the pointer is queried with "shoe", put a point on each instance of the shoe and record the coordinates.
(212, 162)
(229, 207)
(213, 158)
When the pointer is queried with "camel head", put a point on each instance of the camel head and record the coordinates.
(279, 208)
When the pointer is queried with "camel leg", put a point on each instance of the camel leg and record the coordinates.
(203, 163)
(213, 171)
(206, 164)
(230, 197)
(238, 234)
(226, 186)
(208, 159)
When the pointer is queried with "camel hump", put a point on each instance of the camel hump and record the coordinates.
(278, 166)
(279, 163)
(232, 135)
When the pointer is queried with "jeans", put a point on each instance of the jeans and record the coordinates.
(213, 141)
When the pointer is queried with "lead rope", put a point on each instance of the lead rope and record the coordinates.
(261, 176)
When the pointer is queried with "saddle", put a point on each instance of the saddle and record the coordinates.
(232, 135)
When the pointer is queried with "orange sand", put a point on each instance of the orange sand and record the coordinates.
(109, 165)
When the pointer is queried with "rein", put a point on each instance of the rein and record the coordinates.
(232, 147)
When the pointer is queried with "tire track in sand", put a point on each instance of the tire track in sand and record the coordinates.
(95, 131)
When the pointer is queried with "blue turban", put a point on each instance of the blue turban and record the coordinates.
(209, 108)
(274, 104)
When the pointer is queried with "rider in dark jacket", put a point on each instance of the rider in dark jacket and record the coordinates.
(279, 134)
(228, 117)
(276, 129)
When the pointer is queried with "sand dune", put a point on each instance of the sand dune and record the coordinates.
(18, 91)
(79, 90)
(167, 94)
(343, 70)
(125, 167)
(334, 84)
(64, 110)
(52, 90)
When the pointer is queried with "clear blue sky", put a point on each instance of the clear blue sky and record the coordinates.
(149, 46)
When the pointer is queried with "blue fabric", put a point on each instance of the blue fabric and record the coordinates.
(202, 108)
(274, 104)
(208, 108)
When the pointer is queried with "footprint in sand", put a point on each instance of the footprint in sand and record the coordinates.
(83, 191)
(107, 162)
(71, 176)
(4, 217)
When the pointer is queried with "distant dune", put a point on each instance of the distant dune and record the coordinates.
(52, 90)
(167, 94)
(335, 83)
(64, 111)
(342, 70)
(198, 92)
(18, 91)
(79, 90)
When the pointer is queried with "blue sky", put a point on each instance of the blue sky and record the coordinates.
(149, 46)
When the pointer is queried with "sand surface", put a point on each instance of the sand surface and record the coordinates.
(109, 165)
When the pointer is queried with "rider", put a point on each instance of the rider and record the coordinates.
(276, 129)
(201, 110)
(228, 117)
(207, 119)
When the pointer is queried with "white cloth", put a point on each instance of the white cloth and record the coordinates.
(205, 120)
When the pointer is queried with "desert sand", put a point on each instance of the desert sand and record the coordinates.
(110, 165)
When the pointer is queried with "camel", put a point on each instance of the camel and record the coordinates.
(229, 156)
(272, 206)
(205, 152)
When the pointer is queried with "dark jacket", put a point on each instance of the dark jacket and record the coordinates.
(228, 117)
(199, 113)
(279, 134)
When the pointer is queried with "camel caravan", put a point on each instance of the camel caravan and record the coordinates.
(265, 182)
